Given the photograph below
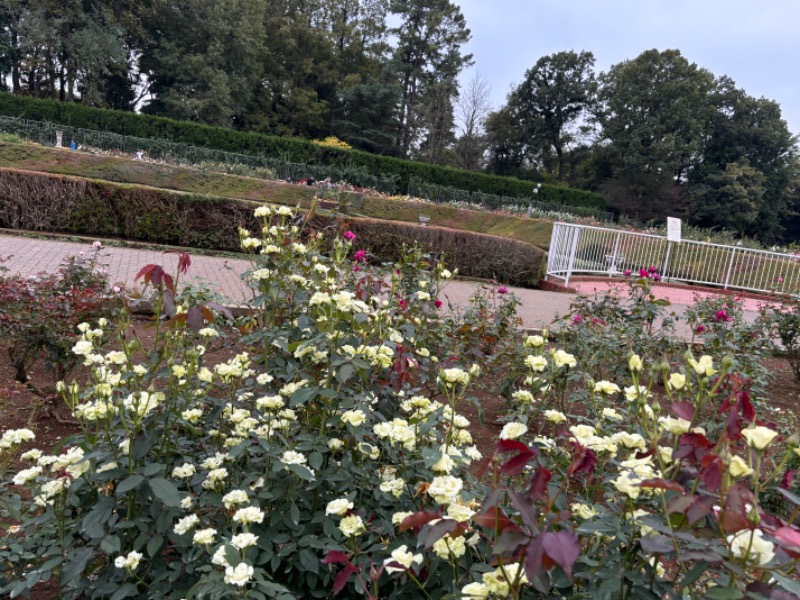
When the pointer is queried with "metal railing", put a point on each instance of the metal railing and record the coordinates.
(595, 250)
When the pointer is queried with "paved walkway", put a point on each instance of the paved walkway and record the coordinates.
(30, 256)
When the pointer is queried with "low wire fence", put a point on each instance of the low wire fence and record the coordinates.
(595, 250)
(46, 134)
(448, 195)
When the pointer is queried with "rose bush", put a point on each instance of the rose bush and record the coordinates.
(330, 456)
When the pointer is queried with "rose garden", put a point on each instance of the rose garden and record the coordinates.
(325, 450)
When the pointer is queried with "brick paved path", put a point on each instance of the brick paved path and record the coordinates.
(31, 256)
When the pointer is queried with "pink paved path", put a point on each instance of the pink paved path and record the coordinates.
(675, 295)
(30, 256)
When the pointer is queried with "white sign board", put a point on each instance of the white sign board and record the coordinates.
(673, 229)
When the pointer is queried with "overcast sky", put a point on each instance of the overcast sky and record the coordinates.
(755, 42)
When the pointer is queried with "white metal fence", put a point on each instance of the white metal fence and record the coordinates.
(595, 250)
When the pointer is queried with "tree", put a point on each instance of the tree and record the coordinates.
(58, 48)
(428, 52)
(557, 91)
(368, 117)
(473, 107)
(730, 198)
(746, 140)
(205, 58)
(653, 112)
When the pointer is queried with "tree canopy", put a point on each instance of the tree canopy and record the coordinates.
(656, 134)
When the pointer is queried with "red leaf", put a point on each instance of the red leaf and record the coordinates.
(533, 558)
(220, 309)
(515, 465)
(342, 577)
(494, 519)
(184, 262)
(526, 509)
(583, 461)
(440, 529)
(194, 318)
(692, 447)
(680, 504)
(684, 410)
(711, 472)
(417, 520)
(539, 483)
(169, 283)
(731, 521)
(663, 484)
(562, 547)
(504, 446)
(335, 556)
(789, 539)
(786, 480)
(144, 272)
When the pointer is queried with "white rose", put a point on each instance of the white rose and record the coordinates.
(759, 437)
(402, 556)
(352, 526)
(752, 547)
(512, 431)
(445, 489)
(239, 575)
(338, 507)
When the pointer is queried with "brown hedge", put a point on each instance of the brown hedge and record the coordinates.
(63, 204)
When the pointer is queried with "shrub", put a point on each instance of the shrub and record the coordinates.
(56, 203)
(40, 314)
(473, 254)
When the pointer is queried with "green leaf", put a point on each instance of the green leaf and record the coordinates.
(79, 558)
(165, 491)
(129, 484)
(294, 514)
(345, 372)
(154, 545)
(691, 576)
(719, 593)
(789, 585)
(111, 544)
(154, 469)
(125, 591)
(315, 460)
(303, 396)
(301, 471)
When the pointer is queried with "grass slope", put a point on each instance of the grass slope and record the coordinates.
(185, 179)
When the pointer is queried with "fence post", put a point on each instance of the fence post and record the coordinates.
(613, 268)
(730, 269)
(576, 232)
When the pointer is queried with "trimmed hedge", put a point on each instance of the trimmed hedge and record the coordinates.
(291, 149)
(63, 204)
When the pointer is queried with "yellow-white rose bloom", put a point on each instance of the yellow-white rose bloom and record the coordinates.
(512, 431)
(752, 547)
(402, 556)
(759, 437)
(703, 367)
(738, 468)
(676, 381)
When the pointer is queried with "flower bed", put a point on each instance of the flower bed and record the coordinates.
(333, 457)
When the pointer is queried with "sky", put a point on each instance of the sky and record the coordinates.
(755, 42)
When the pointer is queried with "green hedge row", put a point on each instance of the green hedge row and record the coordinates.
(293, 150)
(63, 204)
